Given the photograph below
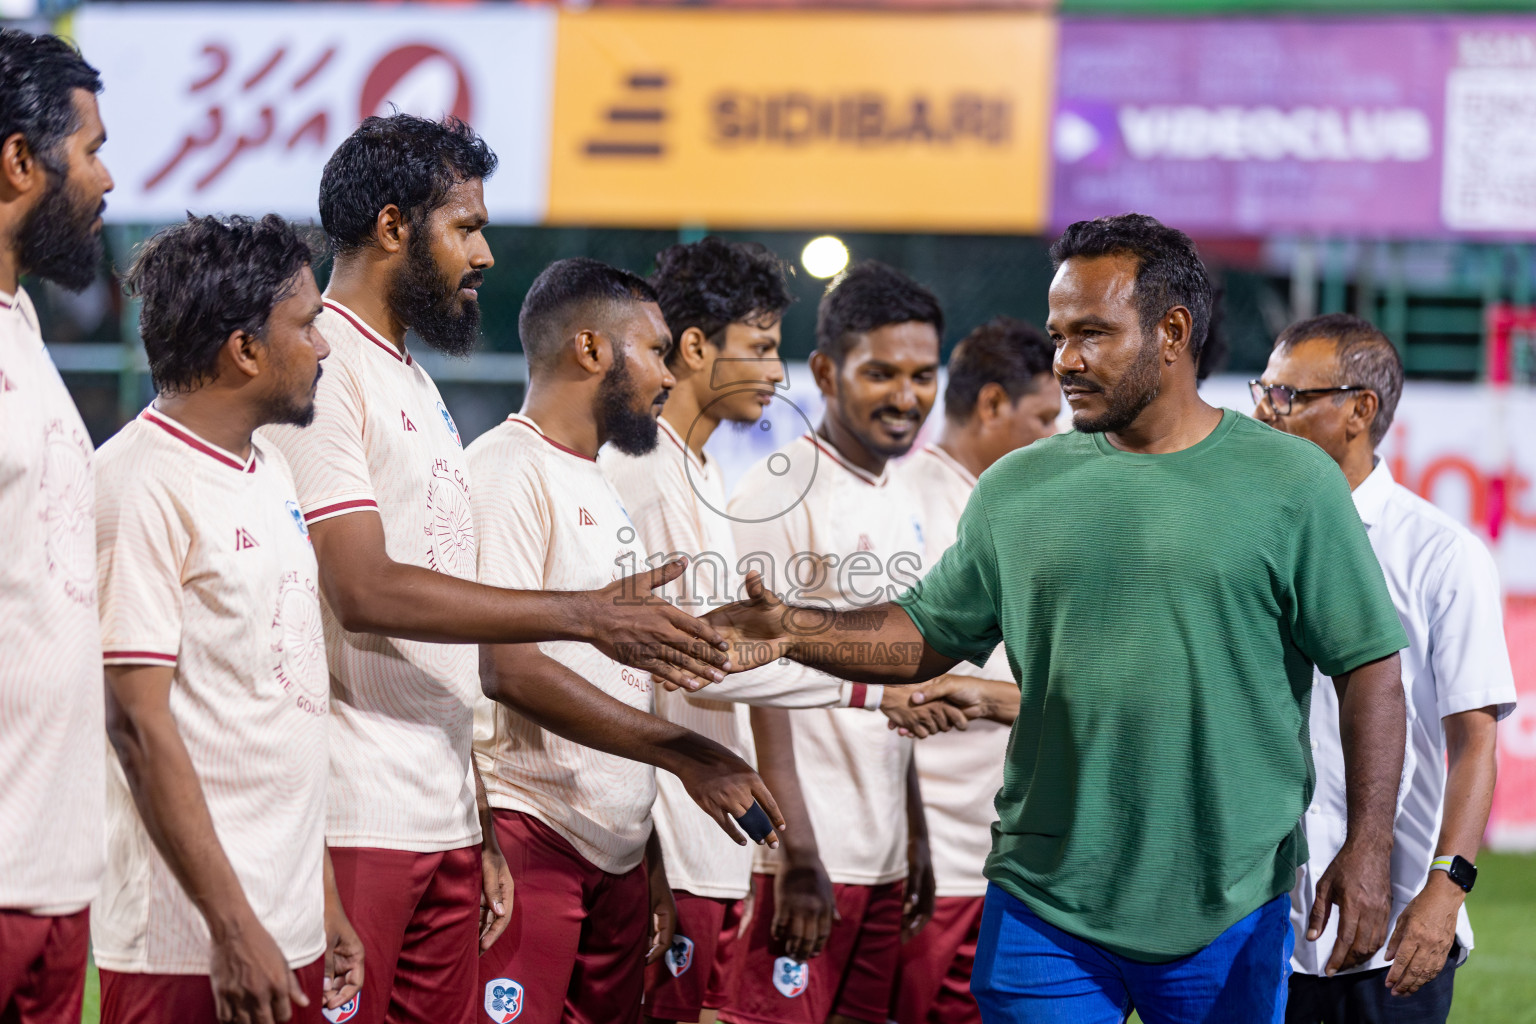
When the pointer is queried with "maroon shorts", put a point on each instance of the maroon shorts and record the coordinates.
(188, 998)
(692, 974)
(418, 915)
(853, 976)
(934, 983)
(574, 950)
(42, 966)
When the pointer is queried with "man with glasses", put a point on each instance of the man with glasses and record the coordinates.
(1335, 380)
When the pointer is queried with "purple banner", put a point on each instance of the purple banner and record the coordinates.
(1388, 126)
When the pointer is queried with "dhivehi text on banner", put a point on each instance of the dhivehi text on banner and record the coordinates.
(233, 108)
(1398, 126)
(883, 121)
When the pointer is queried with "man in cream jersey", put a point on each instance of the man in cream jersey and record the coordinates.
(569, 750)
(1335, 380)
(385, 489)
(1001, 395)
(722, 302)
(830, 521)
(218, 902)
(51, 756)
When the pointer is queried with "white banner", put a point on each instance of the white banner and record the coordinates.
(228, 108)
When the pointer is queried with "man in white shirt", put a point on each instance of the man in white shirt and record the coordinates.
(1000, 395)
(1335, 380)
(51, 756)
(218, 902)
(569, 751)
(385, 488)
(826, 519)
(722, 302)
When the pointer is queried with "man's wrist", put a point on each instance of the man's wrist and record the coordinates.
(228, 925)
(1439, 886)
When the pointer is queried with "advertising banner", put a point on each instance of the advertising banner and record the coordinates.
(233, 109)
(1392, 126)
(778, 119)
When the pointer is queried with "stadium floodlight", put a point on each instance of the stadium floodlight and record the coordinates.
(825, 256)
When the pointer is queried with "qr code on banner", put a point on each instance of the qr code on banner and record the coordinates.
(1490, 149)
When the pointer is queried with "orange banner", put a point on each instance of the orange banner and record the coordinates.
(807, 119)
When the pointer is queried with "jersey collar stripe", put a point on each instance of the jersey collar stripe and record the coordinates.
(666, 428)
(833, 454)
(340, 506)
(187, 437)
(515, 418)
(139, 656)
(363, 329)
(5, 304)
(952, 462)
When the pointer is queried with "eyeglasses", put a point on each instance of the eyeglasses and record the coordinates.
(1281, 396)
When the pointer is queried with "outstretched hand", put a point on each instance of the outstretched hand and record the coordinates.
(647, 632)
(753, 629)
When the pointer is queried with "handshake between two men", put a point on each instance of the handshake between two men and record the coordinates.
(879, 645)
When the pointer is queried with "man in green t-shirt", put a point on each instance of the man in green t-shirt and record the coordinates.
(1164, 579)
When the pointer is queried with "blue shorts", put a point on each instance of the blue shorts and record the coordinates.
(1030, 972)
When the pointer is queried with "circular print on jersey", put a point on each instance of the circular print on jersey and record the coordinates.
(298, 641)
(68, 516)
(450, 524)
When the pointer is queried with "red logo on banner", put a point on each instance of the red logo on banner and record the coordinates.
(396, 64)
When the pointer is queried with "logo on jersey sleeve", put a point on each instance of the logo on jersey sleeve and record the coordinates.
(243, 539)
(503, 1000)
(790, 977)
(298, 517)
(585, 519)
(448, 422)
(679, 956)
(346, 1011)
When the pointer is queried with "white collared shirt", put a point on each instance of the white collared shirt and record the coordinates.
(1446, 590)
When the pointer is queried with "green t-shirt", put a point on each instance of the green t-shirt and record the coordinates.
(1162, 614)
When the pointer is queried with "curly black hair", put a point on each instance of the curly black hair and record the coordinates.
(402, 159)
(711, 284)
(204, 279)
(1168, 268)
(564, 289)
(38, 77)
(867, 296)
(1004, 351)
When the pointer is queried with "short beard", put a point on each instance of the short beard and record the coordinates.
(631, 432)
(1135, 391)
(290, 412)
(58, 241)
(421, 299)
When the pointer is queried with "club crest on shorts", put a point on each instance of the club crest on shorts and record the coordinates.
(448, 422)
(346, 1011)
(503, 1000)
(790, 977)
(679, 956)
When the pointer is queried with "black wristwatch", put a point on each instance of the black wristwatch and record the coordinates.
(1460, 870)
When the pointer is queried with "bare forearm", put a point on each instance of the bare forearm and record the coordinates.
(414, 603)
(170, 802)
(1473, 769)
(773, 736)
(871, 645)
(917, 816)
(554, 698)
(1373, 727)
